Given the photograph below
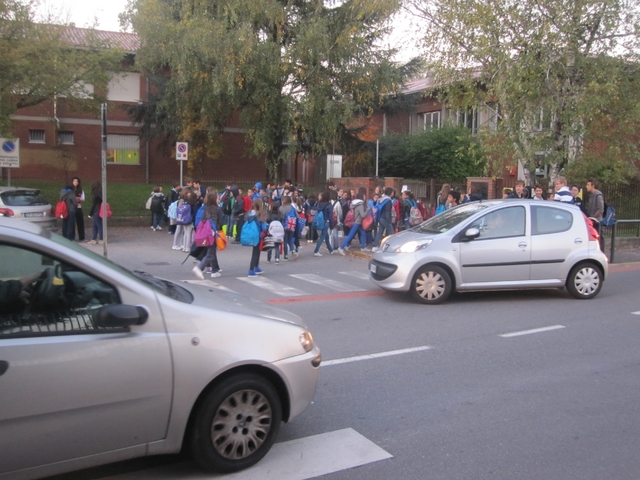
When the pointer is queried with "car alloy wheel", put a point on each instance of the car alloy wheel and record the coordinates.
(431, 285)
(584, 281)
(236, 423)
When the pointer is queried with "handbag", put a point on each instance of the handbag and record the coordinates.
(221, 240)
(367, 222)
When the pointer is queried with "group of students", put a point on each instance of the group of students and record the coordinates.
(72, 197)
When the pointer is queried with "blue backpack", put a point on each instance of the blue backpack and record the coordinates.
(172, 210)
(183, 214)
(250, 234)
(609, 218)
(318, 220)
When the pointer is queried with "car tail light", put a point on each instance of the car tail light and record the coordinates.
(6, 212)
(593, 232)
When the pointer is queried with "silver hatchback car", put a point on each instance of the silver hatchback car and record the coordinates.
(493, 245)
(23, 203)
(99, 364)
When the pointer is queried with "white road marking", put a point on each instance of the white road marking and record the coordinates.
(371, 356)
(274, 287)
(299, 459)
(360, 275)
(327, 282)
(535, 330)
(635, 313)
(209, 283)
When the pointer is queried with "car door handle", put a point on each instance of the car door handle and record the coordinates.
(4, 366)
(578, 241)
(522, 244)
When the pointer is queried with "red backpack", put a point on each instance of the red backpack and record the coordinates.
(246, 203)
(62, 211)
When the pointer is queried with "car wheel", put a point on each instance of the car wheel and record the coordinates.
(584, 281)
(431, 285)
(236, 424)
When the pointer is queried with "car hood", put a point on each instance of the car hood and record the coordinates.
(399, 239)
(220, 299)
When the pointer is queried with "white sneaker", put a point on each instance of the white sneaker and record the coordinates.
(153, 228)
(341, 252)
(375, 249)
(215, 274)
(159, 228)
(176, 248)
(333, 252)
(317, 254)
(198, 273)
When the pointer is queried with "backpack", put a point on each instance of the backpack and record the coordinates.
(350, 219)
(204, 234)
(62, 211)
(183, 214)
(333, 210)
(148, 205)
(423, 210)
(415, 216)
(246, 203)
(156, 203)
(172, 211)
(318, 221)
(250, 234)
(609, 217)
(276, 231)
(394, 213)
(439, 209)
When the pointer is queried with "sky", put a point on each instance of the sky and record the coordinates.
(83, 12)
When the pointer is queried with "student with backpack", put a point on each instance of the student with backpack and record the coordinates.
(336, 212)
(67, 208)
(289, 223)
(596, 207)
(276, 230)
(251, 233)
(184, 221)
(173, 196)
(384, 217)
(310, 208)
(358, 211)
(213, 215)
(324, 222)
(157, 208)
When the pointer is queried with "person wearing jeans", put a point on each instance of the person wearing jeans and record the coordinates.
(327, 211)
(384, 216)
(96, 205)
(359, 212)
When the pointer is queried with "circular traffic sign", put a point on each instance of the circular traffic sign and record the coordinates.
(8, 146)
(182, 147)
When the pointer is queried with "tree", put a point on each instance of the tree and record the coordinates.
(38, 63)
(443, 153)
(556, 73)
(294, 73)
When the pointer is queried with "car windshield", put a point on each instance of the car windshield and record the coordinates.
(164, 287)
(23, 198)
(450, 218)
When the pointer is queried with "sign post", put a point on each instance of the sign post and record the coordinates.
(9, 155)
(182, 155)
(103, 207)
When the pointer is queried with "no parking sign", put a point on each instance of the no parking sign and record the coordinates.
(182, 151)
(9, 153)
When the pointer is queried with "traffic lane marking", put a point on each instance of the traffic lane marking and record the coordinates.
(371, 356)
(534, 330)
(359, 275)
(331, 296)
(326, 282)
(274, 287)
(635, 313)
(298, 459)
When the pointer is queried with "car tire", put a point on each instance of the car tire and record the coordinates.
(431, 285)
(236, 424)
(584, 281)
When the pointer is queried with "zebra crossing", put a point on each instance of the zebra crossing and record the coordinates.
(293, 285)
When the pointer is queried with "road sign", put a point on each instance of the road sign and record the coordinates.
(9, 153)
(182, 151)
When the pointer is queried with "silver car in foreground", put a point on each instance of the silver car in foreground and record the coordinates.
(21, 203)
(99, 364)
(493, 245)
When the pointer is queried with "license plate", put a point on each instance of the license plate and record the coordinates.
(34, 214)
(373, 268)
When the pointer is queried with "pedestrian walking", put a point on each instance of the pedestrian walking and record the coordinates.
(213, 214)
(326, 208)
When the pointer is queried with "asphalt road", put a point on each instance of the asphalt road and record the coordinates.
(480, 396)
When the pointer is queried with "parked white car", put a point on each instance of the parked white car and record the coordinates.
(99, 364)
(494, 245)
(21, 203)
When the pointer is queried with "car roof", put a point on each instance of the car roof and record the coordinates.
(17, 189)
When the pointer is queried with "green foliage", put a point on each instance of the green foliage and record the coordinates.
(292, 73)
(559, 73)
(37, 64)
(448, 152)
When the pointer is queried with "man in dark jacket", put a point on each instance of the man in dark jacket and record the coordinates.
(384, 217)
(68, 224)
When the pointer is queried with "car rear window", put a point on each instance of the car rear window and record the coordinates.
(23, 198)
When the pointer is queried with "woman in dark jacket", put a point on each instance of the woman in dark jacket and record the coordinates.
(327, 211)
(96, 204)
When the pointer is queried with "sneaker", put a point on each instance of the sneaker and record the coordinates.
(198, 273)
(215, 274)
(206, 269)
(295, 255)
(268, 260)
(92, 242)
(100, 242)
(277, 261)
(159, 228)
(341, 252)
(285, 259)
(252, 274)
(333, 252)
(258, 271)
(153, 228)
(176, 248)
(366, 249)
(375, 249)
(317, 254)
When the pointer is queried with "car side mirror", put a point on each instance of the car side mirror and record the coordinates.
(471, 233)
(119, 316)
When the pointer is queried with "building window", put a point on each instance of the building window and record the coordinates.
(36, 136)
(123, 149)
(124, 87)
(430, 120)
(465, 118)
(65, 137)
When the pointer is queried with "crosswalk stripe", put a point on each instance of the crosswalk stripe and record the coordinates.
(209, 283)
(326, 282)
(359, 275)
(274, 287)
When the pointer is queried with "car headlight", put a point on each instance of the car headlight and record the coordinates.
(413, 246)
(306, 339)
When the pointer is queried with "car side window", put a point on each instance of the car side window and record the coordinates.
(506, 222)
(546, 220)
(41, 295)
